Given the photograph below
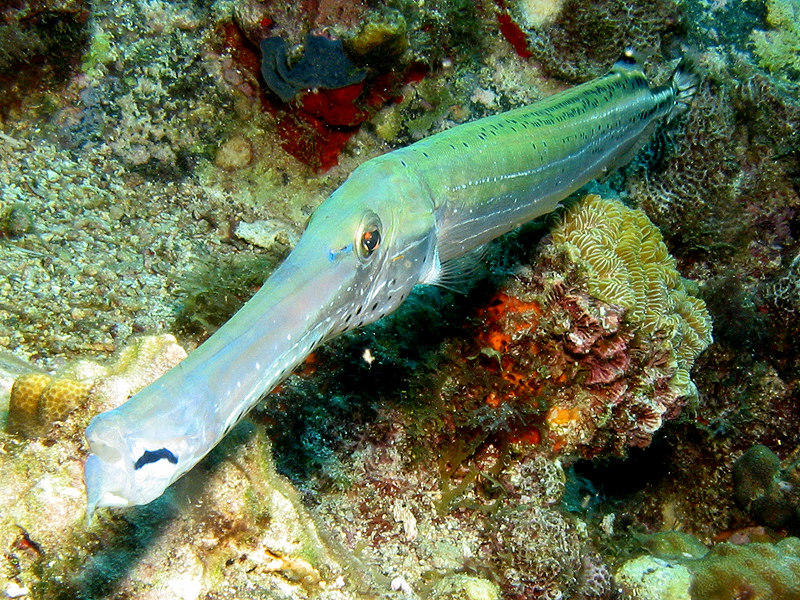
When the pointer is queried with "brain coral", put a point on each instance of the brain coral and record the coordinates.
(598, 336)
(38, 400)
(629, 266)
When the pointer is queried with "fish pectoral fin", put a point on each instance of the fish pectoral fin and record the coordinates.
(460, 274)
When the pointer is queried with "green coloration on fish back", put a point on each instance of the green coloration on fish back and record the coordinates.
(395, 223)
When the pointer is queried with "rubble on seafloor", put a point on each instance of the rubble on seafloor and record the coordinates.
(150, 179)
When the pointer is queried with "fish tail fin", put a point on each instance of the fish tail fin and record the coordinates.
(685, 83)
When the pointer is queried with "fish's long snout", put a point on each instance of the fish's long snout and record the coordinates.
(143, 446)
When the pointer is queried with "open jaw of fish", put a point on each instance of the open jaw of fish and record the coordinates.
(395, 223)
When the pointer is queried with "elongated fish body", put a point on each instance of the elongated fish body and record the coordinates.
(392, 225)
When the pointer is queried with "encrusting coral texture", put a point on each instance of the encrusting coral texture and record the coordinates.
(595, 341)
(725, 572)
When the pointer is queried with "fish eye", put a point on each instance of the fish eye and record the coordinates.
(370, 240)
(368, 236)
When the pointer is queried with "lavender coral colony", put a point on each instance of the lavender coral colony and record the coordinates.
(566, 426)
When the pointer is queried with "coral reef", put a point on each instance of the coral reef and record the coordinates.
(724, 194)
(594, 341)
(323, 90)
(409, 495)
(576, 41)
(450, 517)
(436, 453)
(733, 150)
(237, 520)
(239, 523)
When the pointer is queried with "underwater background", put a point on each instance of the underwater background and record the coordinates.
(535, 434)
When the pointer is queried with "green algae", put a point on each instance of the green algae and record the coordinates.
(99, 52)
(218, 286)
(778, 49)
(439, 98)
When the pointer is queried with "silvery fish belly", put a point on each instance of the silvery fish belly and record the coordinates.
(395, 223)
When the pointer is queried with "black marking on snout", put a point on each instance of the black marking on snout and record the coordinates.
(151, 456)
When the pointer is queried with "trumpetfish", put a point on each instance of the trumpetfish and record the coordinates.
(399, 220)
